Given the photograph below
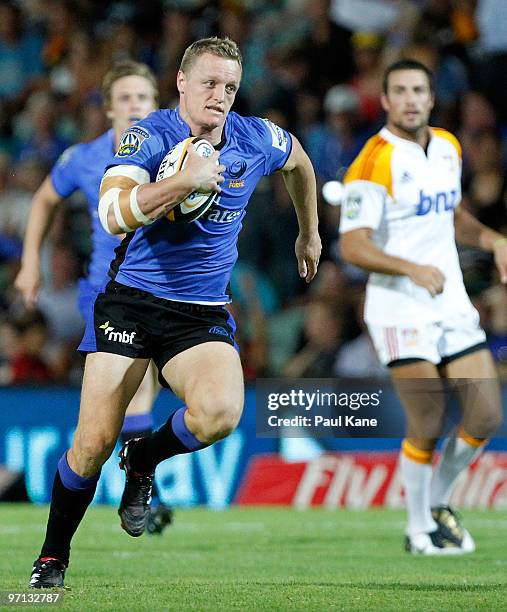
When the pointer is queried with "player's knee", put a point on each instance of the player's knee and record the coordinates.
(95, 447)
(218, 420)
(425, 429)
(491, 422)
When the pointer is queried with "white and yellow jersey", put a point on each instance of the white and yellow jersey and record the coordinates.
(408, 196)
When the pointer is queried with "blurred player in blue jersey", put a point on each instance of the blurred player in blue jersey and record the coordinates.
(129, 94)
(168, 289)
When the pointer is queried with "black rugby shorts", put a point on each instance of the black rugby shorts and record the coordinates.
(134, 323)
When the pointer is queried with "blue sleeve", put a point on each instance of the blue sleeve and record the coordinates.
(141, 145)
(65, 172)
(275, 143)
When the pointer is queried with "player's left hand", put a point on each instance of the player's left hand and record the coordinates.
(308, 249)
(500, 253)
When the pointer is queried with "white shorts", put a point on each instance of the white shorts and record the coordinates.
(433, 342)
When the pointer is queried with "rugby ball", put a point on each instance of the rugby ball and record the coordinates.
(197, 203)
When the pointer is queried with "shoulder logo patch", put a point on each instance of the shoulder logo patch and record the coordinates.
(66, 155)
(279, 140)
(353, 205)
(131, 141)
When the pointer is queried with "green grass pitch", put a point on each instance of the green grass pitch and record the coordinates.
(261, 559)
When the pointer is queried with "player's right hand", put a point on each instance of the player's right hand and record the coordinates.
(429, 277)
(28, 282)
(204, 173)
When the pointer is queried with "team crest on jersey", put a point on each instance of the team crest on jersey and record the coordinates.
(353, 205)
(131, 141)
(237, 169)
(279, 140)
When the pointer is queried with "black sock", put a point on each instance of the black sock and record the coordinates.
(135, 433)
(161, 445)
(66, 512)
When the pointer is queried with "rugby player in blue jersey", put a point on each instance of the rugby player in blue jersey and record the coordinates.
(129, 94)
(168, 289)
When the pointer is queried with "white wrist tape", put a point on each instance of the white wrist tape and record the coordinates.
(136, 211)
(119, 217)
(109, 198)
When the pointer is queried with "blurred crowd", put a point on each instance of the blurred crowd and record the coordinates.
(312, 66)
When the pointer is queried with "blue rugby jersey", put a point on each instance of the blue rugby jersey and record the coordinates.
(193, 262)
(82, 167)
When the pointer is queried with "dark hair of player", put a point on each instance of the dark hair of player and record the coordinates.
(408, 64)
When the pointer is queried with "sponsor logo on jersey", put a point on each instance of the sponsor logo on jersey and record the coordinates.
(237, 169)
(406, 177)
(218, 331)
(410, 336)
(442, 201)
(236, 184)
(123, 336)
(221, 215)
(131, 141)
(353, 205)
(279, 140)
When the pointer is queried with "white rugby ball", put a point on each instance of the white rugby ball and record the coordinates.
(197, 203)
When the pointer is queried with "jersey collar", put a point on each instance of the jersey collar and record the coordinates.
(403, 142)
(223, 141)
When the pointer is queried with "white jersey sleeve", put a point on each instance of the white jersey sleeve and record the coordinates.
(362, 205)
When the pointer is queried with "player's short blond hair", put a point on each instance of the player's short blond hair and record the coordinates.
(221, 47)
(124, 69)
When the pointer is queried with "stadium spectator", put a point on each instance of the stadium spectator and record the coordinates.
(322, 334)
(368, 51)
(357, 358)
(20, 56)
(477, 117)
(254, 300)
(263, 246)
(57, 300)
(333, 144)
(451, 79)
(486, 187)
(27, 364)
(327, 49)
(494, 306)
(176, 36)
(37, 135)
(491, 65)
(61, 26)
